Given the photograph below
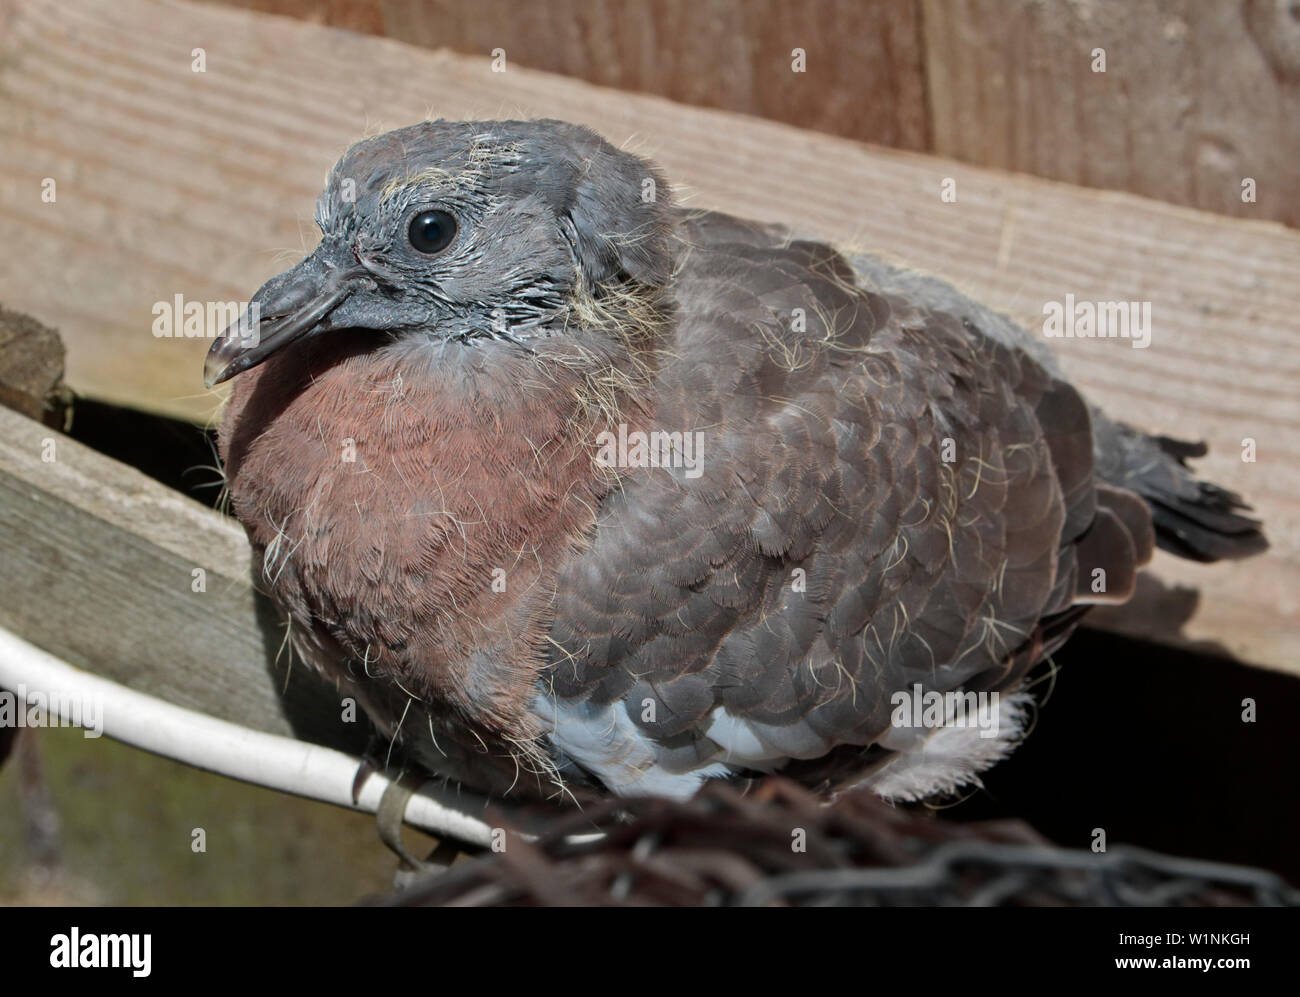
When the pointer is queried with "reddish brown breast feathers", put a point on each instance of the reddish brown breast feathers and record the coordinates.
(414, 502)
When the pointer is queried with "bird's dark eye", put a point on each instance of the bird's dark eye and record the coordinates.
(432, 231)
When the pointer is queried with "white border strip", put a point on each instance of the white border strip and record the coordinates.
(208, 743)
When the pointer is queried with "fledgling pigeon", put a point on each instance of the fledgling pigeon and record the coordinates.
(581, 492)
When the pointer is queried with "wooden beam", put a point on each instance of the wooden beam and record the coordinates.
(1194, 97)
(31, 369)
(172, 182)
(863, 75)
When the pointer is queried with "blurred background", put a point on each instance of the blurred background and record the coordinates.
(1111, 149)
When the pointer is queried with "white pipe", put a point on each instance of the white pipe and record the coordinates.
(208, 743)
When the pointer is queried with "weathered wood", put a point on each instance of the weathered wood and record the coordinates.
(100, 566)
(31, 368)
(172, 181)
(1195, 96)
(863, 75)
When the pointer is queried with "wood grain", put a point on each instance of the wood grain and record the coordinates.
(863, 75)
(172, 182)
(31, 368)
(1195, 96)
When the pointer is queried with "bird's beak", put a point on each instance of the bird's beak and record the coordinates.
(286, 308)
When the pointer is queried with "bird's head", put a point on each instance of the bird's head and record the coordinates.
(482, 231)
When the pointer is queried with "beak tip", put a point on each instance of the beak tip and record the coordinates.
(298, 302)
(216, 370)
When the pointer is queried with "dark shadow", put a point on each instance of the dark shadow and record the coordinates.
(179, 454)
(309, 701)
(1148, 742)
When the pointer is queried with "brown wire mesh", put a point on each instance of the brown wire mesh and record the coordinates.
(779, 845)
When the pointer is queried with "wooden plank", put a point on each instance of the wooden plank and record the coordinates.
(31, 368)
(99, 571)
(172, 182)
(1195, 96)
(863, 76)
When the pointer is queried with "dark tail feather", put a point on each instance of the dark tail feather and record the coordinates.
(1193, 519)
(1206, 528)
